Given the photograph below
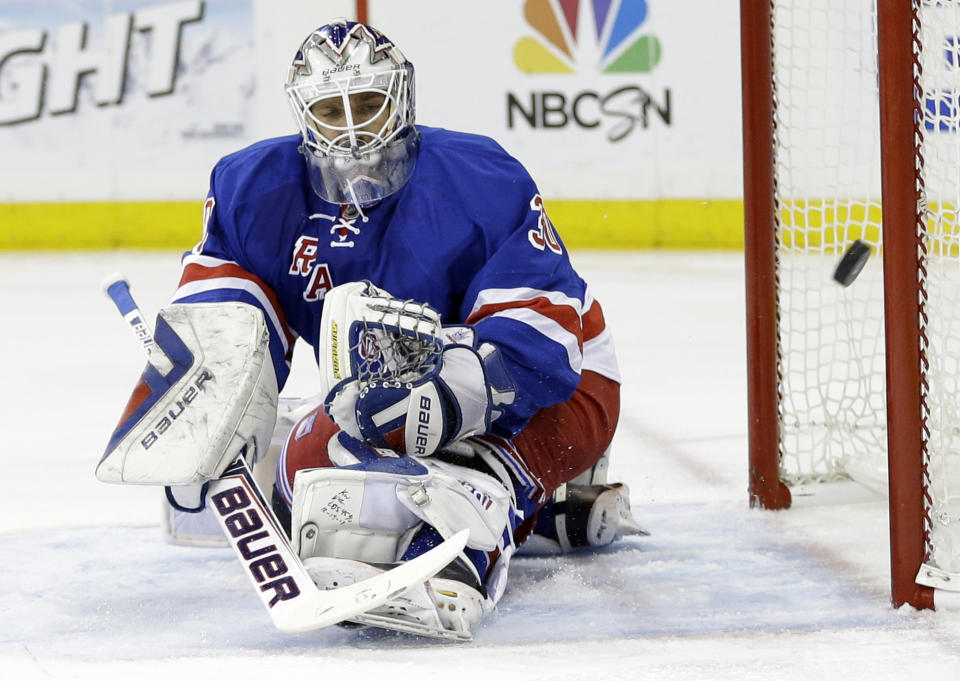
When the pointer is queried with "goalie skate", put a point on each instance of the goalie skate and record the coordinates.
(438, 608)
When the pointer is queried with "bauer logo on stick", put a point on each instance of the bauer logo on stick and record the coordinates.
(852, 262)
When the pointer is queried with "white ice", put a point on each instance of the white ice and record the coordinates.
(719, 591)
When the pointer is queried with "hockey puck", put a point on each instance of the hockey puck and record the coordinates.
(851, 263)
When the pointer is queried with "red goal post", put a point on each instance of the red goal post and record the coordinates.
(828, 397)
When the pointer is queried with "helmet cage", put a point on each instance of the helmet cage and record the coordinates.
(324, 137)
(361, 158)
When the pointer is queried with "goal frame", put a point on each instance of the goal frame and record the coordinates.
(899, 125)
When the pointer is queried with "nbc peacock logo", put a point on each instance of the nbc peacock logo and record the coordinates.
(607, 34)
(609, 52)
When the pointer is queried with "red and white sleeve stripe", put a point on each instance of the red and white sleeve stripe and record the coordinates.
(202, 273)
(550, 313)
(599, 354)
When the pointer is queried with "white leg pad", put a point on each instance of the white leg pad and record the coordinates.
(340, 513)
(371, 515)
(348, 522)
(202, 529)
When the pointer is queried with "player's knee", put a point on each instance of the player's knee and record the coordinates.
(317, 442)
(307, 446)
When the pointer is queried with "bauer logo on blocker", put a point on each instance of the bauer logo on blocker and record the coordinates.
(593, 39)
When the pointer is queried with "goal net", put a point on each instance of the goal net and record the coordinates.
(820, 76)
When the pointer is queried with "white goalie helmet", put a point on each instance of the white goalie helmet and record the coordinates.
(352, 94)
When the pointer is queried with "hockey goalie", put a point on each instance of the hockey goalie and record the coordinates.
(469, 380)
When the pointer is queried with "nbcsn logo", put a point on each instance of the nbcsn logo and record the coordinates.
(589, 37)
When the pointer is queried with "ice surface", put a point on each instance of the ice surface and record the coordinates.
(90, 591)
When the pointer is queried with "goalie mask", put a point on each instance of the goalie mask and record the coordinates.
(351, 92)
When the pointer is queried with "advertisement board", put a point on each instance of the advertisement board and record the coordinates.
(626, 112)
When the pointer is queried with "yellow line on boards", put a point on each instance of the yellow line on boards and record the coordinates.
(666, 223)
(89, 226)
(603, 224)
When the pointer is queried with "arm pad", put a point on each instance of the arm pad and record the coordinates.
(187, 426)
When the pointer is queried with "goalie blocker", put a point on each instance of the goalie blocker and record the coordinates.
(217, 400)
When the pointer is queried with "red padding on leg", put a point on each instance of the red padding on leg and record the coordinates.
(307, 443)
(562, 441)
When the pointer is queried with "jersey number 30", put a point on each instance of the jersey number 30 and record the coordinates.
(544, 236)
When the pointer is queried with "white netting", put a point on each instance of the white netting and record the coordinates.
(940, 82)
(828, 187)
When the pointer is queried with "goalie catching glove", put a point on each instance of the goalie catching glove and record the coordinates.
(392, 382)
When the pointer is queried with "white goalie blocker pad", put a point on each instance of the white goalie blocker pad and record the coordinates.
(185, 427)
(372, 515)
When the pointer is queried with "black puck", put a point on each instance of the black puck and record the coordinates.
(851, 263)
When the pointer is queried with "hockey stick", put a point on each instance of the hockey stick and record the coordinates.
(294, 602)
(117, 288)
(285, 588)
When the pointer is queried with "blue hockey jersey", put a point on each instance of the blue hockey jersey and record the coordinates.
(467, 234)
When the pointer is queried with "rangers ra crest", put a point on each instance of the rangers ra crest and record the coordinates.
(304, 263)
(342, 231)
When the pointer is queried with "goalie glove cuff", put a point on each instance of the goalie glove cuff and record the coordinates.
(464, 399)
(423, 417)
(454, 403)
